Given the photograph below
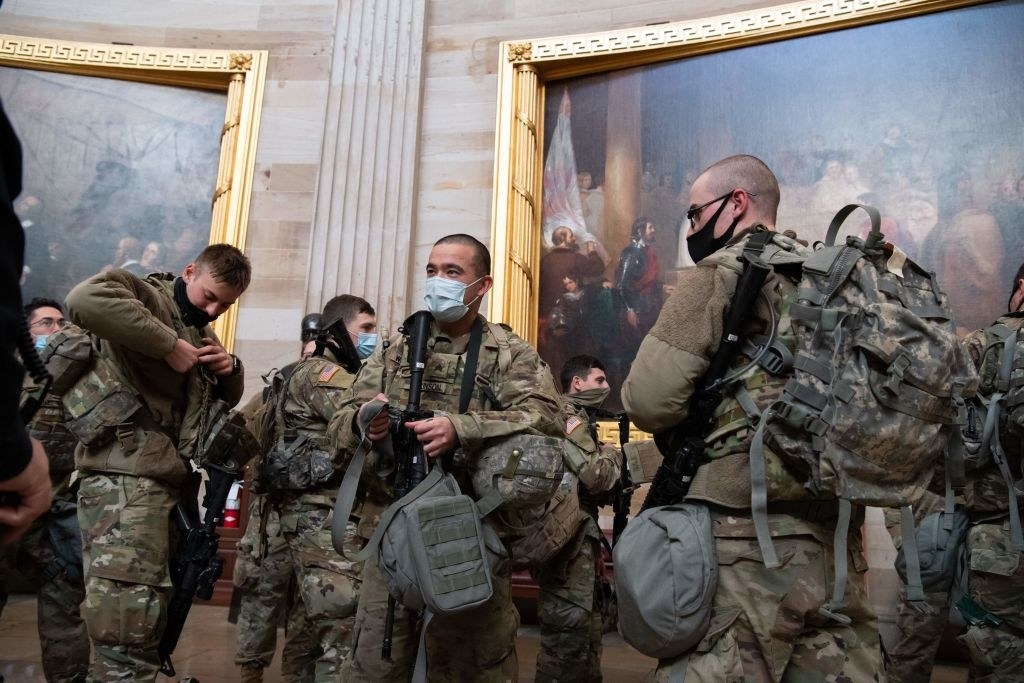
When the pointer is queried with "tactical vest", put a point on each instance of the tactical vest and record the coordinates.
(299, 458)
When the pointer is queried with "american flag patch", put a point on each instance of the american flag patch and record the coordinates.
(572, 423)
(328, 373)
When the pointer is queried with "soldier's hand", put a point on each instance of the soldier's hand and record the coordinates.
(32, 489)
(632, 318)
(183, 357)
(380, 425)
(437, 434)
(215, 358)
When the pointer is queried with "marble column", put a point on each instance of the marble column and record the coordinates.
(367, 179)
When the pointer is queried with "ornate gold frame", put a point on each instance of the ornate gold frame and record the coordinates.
(239, 74)
(527, 65)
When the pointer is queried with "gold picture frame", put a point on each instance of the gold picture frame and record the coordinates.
(528, 66)
(239, 74)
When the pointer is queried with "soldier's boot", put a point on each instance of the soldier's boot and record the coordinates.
(251, 674)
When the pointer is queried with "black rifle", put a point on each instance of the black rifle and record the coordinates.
(195, 568)
(624, 489)
(682, 446)
(410, 460)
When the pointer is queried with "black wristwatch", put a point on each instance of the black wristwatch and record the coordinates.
(236, 365)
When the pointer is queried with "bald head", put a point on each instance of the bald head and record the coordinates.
(754, 176)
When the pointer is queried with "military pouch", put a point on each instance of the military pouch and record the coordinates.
(67, 356)
(518, 471)
(97, 426)
(227, 442)
(940, 540)
(435, 553)
(297, 463)
(666, 575)
(48, 427)
(536, 535)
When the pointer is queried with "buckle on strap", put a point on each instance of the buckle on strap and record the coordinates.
(897, 369)
(125, 433)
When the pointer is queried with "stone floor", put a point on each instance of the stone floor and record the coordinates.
(206, 650)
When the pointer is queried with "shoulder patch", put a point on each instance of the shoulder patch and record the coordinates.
(327, 373)
(572, 424)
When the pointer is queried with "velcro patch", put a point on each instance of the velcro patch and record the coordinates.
(328, 373)
(571, 424)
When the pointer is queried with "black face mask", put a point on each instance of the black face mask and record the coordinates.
(191, 315)
(703, 243)
(340, 343)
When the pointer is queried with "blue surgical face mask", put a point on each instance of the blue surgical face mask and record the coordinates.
(444, 298)
(41, 341)
(366, 342)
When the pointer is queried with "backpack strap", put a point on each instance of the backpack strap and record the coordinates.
(874, 238)
(346, 498)
(998, 454)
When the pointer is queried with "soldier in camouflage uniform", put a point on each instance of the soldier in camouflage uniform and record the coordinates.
(157, 367)
(568, 606)
(50, 552)
(995, 566)
(514, 397)
(302, 497)
(263, 572)
(765, 624)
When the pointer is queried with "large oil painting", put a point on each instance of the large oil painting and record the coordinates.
(913, 115)
(134, 157)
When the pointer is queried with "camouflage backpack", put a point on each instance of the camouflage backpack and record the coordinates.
(876, 390)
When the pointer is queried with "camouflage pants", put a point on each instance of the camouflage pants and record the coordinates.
(327, 584)
(263, 571)
(125, 524)
(765, 623)
(911, 656)
(996, 578)
(570, 621)
(476, 645)
(58, 572)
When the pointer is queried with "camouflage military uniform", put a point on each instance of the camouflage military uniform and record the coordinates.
(327, 584)
(263, 571)
(766, 624)
(995, 569)
(911, 656)
(50, 554)
(130, 484)
(477, 644)
(568, 602)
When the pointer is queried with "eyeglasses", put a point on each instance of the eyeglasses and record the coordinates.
(49, 322)
(694, 213)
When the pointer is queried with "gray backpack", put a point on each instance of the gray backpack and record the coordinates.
(434, 551)
(666, 575)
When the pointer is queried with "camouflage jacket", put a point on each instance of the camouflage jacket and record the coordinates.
(677, 353)
(519, 399)
(985, 490)
(138, 322)
(317, 388)
(596, 464)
